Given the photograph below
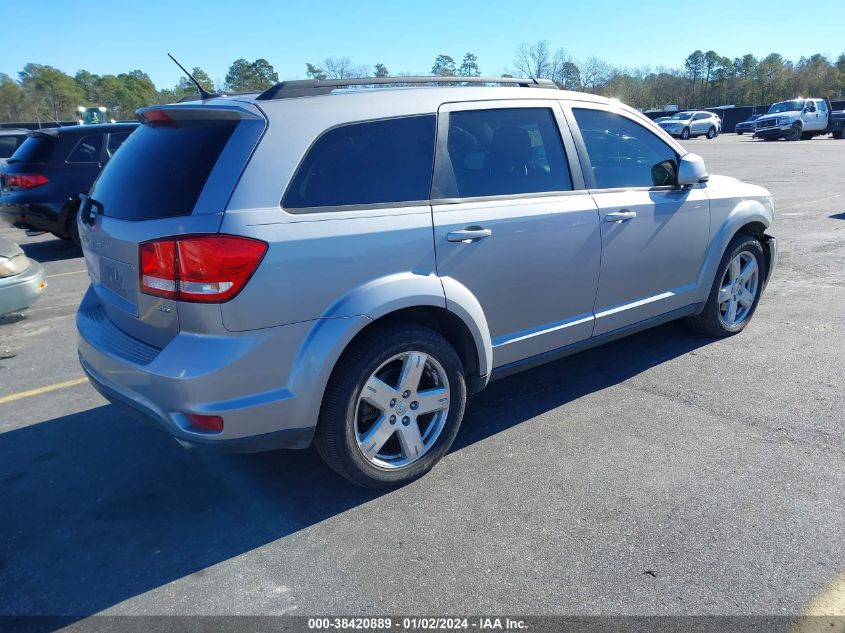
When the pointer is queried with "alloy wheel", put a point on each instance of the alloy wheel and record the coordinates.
(738, 289)
(401, 410)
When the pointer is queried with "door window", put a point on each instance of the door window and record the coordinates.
(700, 116)
(501, 152)
(375, 162)
(115, 141)
(87, 150)
(623, 153)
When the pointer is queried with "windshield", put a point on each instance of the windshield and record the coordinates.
(682, 116)
(787, 106)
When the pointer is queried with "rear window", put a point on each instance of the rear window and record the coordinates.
(9, 143)
(160, 171)
(376, 162)
(35, 149)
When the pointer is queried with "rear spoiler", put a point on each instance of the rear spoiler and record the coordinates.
(192, 111)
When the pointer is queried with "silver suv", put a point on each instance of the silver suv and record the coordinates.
(684, 125)
(345, 266)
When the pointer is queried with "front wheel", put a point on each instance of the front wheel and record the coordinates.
(739, 133)
(736, 290)
(393, 406)
(795, 132)
(711, 133)
(685, 134)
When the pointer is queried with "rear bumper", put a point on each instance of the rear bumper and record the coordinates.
(241, 377)
(39, 217)
(19, 292)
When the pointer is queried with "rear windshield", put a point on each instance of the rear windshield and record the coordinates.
(35, 149)
(160, 171)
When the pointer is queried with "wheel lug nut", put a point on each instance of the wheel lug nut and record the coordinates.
(406, 420)
(406, 394)
(393, 402)
(393, 419)
(414, 404)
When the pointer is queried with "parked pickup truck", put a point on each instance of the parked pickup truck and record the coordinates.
(800, 119)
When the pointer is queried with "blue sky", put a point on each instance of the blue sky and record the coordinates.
(118, 35)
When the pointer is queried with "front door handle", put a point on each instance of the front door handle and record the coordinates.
(469, 234)
(620, 216)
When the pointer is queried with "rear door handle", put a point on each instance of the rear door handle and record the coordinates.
(620, 216)
(469, 234)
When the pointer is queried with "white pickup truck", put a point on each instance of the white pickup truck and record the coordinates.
(800, 119)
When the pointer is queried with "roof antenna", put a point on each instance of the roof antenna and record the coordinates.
(204, 94)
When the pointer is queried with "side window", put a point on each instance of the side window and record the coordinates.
(502, 152)
(822, 106)
(87, 150)
(9, 143)
(366, 163)
(115, 141)
(623, 153)
(700, 116)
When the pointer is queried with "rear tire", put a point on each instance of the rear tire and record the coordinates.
(71, 228)
(711, 133)
(840, 133)
(368, 430)
(733, 299)
(739, 133)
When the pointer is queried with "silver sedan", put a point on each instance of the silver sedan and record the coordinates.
(21, 279)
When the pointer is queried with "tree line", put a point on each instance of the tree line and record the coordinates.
(44, 93)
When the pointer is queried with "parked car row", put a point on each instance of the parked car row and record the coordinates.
(344, 267)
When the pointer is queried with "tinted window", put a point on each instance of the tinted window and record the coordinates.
(502, 152)
(87, 150)
(9, 143)
(623, 153)
(366, 163)
(35, 149)
(700, 116)
(160, 171)
(115, 141)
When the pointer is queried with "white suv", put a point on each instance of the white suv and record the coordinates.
(683, 125)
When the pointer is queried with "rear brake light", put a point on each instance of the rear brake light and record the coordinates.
(25, 181)
(155, 117)
(199, 268)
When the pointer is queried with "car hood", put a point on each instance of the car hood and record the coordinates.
(788, 113)
(9, 249)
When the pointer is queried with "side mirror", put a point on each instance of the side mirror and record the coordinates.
(691, 170)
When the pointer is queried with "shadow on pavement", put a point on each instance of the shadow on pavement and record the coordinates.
(51, 251)
(98, 508)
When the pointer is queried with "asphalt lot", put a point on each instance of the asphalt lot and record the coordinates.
(663, 474)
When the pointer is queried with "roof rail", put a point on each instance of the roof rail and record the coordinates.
(311, 87)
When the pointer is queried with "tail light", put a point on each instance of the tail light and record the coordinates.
(199, 268)
(24, 181)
